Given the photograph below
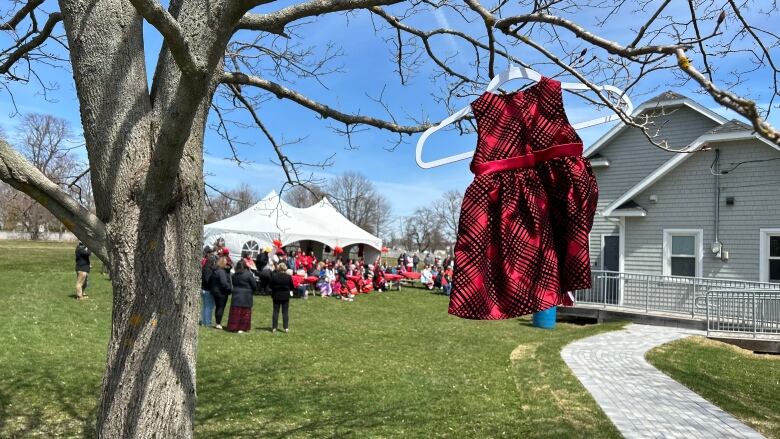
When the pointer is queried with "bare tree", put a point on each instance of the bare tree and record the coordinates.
(355, 196)
(424, 229)
(220, 205)
(145, 141)
(145, 148)
(304, 196)
(447, 209)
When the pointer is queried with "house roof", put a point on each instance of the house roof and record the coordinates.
(629, 208)
(630, 204)
(668, 95)
(731, 126)
(665, 99)
(701, 141)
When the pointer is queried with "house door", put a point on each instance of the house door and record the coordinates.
(611, 262)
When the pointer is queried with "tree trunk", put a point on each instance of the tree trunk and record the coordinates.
(149, 383)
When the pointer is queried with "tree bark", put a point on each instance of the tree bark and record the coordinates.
(149, 383)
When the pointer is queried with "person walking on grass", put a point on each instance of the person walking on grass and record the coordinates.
(219, 285)
(208, 267)
(281, 285)
(244, 286)
(82, 270)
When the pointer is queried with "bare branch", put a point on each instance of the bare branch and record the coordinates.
(490, 21)
(650, 21)
(23, 176)
(610, 46)
(275, 22)
(25, 48)
(324, 111)
(173, 35)
(730, 100)
(20, 14)
(283, 160)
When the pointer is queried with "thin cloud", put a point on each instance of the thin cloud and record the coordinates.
(442, 21)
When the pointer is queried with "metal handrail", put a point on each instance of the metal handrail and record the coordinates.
(752, 312)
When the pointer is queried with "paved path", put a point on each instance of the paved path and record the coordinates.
(639, 399)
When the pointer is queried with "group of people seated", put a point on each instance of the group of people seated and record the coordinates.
(437, 277)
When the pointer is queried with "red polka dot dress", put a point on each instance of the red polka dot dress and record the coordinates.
(524, 224)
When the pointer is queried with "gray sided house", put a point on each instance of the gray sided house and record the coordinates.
(713, 212)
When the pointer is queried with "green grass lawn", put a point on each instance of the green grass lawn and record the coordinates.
(738, 381)
(387, 365)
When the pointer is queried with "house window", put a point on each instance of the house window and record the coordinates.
(770, 255)
(683, 257)
(774, 258)
(682, 253)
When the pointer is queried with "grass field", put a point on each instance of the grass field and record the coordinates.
(738, 381)
(387, 365)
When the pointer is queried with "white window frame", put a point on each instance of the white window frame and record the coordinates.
(698, 235)
(253, 253)
(764, 253)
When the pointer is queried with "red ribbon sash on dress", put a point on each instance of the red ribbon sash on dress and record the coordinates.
(527, 160)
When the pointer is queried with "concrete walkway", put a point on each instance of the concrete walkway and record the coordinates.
(640, 400)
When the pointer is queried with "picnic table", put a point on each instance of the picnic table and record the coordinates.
(394, 279)
(409, 278)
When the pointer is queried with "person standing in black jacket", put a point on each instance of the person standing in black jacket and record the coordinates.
(220, 288)
(82, 270)
(281, 285)
(244, 285)
(263, 270)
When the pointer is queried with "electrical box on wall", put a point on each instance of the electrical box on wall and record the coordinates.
(729, 201)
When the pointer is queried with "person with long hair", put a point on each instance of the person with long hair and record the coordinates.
(281, 285)
(208, 267)
(244, 285)
(219, 285)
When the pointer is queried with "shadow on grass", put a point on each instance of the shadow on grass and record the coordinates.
(56, 400)
(321, 411)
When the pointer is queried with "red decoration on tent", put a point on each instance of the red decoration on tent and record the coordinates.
(337, 250)
(277, 243)
(385, 249)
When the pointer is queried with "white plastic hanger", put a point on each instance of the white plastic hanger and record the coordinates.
(511, 73)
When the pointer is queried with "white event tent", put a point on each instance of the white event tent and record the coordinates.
(272, 218)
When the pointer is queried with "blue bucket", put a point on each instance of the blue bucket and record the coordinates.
(545, 319)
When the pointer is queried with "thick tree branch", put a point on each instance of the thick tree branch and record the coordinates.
(23, 176)
(325, 111)
(275, 22)
(728, 99)
(173, 35)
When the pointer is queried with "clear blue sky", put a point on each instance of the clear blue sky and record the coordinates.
(367, 68)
